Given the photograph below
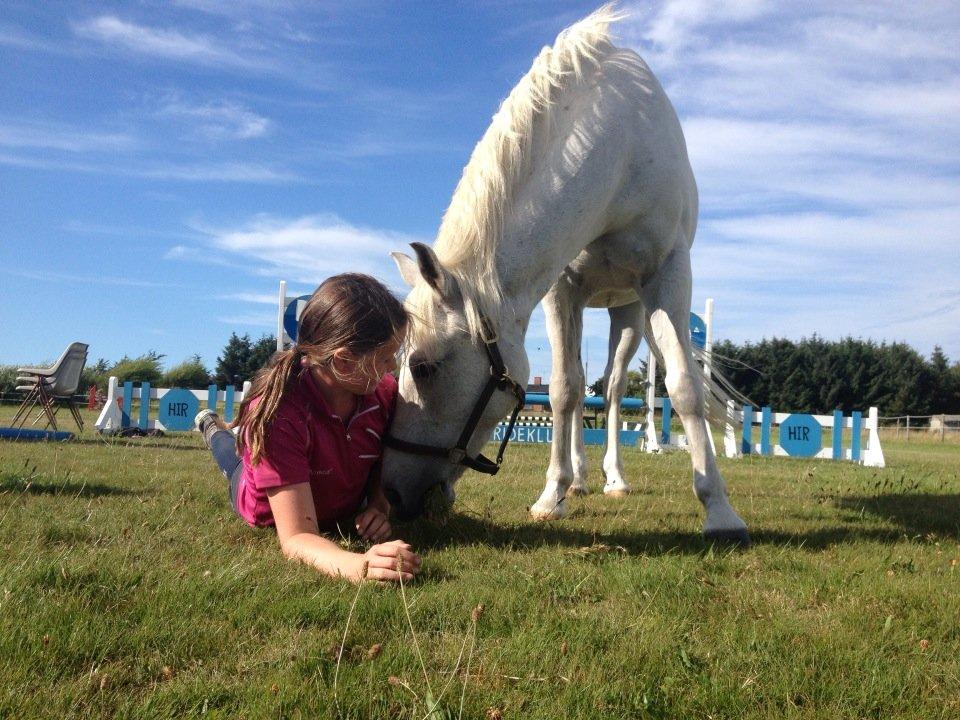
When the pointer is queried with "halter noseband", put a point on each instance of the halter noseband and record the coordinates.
(499, 380)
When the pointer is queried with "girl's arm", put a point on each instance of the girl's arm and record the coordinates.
(300, 539)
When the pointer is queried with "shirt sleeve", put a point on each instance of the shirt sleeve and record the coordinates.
(286, 457)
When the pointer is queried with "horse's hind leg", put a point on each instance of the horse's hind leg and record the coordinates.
(578, 452)
(626, 331)
(564, 328)
(667, 301)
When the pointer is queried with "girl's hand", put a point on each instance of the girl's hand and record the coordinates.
(373, 525)
(384, 559)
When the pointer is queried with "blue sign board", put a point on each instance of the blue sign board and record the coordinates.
(801, 436)
(537, 434)
(291, 316)
(698, 331)
(178, 407)
(524, 434)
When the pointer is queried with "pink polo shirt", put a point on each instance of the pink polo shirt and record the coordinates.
(308, 443)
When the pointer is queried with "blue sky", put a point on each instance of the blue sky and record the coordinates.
(164, 165)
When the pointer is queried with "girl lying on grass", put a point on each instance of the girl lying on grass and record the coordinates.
(306, 456)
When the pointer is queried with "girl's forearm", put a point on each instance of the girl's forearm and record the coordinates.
(323, 554)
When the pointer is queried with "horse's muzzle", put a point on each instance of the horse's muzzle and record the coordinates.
(399, 510)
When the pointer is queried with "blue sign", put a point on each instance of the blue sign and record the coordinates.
(178, 407)
(524, 434)
(539, 434)
(698, 331)
(291, 316)
(801, 436)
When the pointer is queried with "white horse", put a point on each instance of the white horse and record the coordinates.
(580, 191)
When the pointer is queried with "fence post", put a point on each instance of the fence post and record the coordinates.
(908, 428)
(943, 425)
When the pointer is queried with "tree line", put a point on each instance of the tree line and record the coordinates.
(819, 376)
(814, 375)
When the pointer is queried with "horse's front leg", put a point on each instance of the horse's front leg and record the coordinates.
(667, 301)
(564, 329)
(626, 330)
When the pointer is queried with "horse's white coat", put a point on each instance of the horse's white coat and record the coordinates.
(580, 191)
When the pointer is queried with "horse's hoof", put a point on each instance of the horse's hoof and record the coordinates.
(617, 490)
(578, 491)
(557, 512)
(740, 538)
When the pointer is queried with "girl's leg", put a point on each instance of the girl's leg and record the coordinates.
(235, 486)
(223, 447)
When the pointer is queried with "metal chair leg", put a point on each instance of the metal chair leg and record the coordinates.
(24, 410)
(76, 414)
(48, 409)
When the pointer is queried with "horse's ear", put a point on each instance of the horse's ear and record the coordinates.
(407, 267)
(432, 272)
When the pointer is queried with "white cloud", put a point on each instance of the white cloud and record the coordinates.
(49, 136)
(264, 320)
(309, 249)
(43, 276)
(254, 298)
(13, 37)
(220, 120)
(677, 24)
(236, 172)
(171, 44)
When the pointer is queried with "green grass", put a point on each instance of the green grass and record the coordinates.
(128, 589)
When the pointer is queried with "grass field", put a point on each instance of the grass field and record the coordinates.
(128, 589)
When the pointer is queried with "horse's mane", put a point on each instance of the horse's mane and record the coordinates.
(473, 223)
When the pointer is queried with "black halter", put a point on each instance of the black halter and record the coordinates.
(499, 380)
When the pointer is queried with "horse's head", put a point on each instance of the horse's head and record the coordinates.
(445, 373)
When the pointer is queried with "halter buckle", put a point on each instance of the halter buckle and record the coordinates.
(456, 455)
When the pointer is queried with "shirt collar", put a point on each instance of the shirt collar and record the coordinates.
(367, 402)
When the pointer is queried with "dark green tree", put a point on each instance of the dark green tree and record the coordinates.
(8, 379)
(636, 383)
(145, 368)
(232, 363)
(97, 374)
(819, 376)
(943, 391)
(191, 373)
(242, 358)
(260, 354)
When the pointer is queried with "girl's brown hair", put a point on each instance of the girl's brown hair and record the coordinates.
(352, 312)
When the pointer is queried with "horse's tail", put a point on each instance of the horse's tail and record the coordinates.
(721, 398)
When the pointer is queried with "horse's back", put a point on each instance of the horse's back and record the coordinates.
(657, 177)
(651, 202)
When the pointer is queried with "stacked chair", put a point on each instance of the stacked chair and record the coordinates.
(52, 387)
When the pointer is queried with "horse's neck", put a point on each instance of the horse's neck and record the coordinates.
(527, 267)
(525, 278)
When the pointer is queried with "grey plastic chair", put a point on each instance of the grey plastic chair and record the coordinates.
(52, 386)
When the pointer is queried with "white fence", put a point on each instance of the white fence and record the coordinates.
(176, 407)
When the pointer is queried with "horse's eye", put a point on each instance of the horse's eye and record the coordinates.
(423, 369)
